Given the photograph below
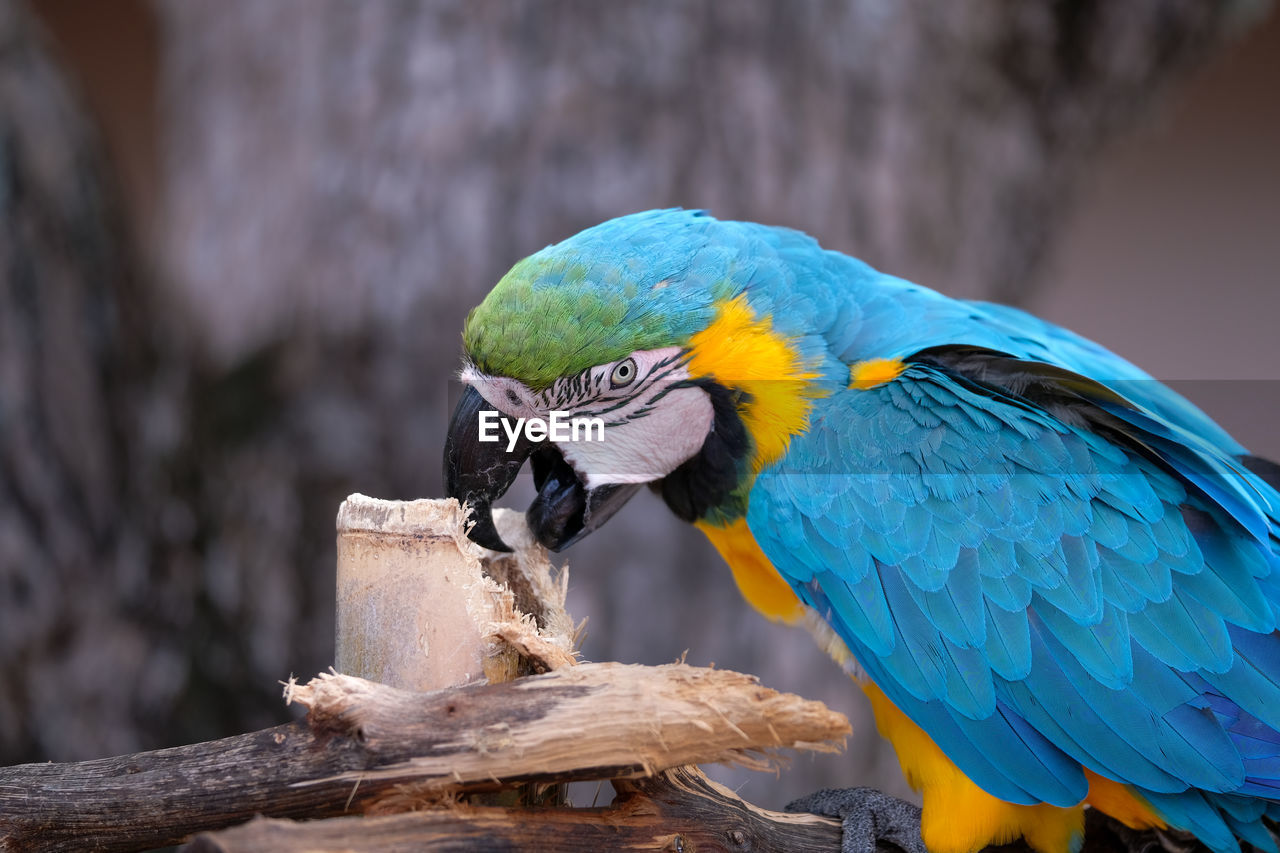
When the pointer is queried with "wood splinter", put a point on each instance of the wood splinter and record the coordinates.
(592, 721)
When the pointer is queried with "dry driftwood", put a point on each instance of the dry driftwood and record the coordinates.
(366, 747)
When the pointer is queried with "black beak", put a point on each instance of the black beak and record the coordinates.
(479, 472)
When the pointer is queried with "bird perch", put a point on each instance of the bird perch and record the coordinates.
(367, 748)
(374, 767)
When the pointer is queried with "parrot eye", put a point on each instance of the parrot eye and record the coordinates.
(624, 373)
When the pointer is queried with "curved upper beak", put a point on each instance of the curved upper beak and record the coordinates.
(479, 472)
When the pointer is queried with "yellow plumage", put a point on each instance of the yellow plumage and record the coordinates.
(742, 351)
(758, 581)
(873, 372)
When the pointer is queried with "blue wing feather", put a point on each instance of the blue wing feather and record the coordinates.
(1036, 596)
(1035, 589)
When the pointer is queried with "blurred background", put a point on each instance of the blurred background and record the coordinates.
(239, 238)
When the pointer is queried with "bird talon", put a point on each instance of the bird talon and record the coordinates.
(868, 816)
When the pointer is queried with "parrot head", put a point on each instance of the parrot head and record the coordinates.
(625, 356)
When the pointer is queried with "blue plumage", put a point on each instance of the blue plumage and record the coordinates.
(1088, 556)
(1019, 581)
(1044, 557)
(1088, 621)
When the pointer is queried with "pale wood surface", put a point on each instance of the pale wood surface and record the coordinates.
(420, 606)
(593, 721)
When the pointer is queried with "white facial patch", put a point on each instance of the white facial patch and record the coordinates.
(647, 448)
(652, 422)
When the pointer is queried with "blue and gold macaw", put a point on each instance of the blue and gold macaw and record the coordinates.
(1059, 580)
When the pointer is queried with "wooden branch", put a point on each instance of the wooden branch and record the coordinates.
(549, 726)
(368, 747)
(678, 810)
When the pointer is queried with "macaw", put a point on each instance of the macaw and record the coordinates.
(1056, 579)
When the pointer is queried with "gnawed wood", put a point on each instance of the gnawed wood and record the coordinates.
(365, 746)
(421, 606)
(549, 726)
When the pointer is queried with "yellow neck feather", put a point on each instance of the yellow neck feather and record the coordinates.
(742, 351)
(758, 580)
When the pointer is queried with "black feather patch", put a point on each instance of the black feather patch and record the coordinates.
(1074, 400)
(1069, 397)
(709, 479)
(1265, 469)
